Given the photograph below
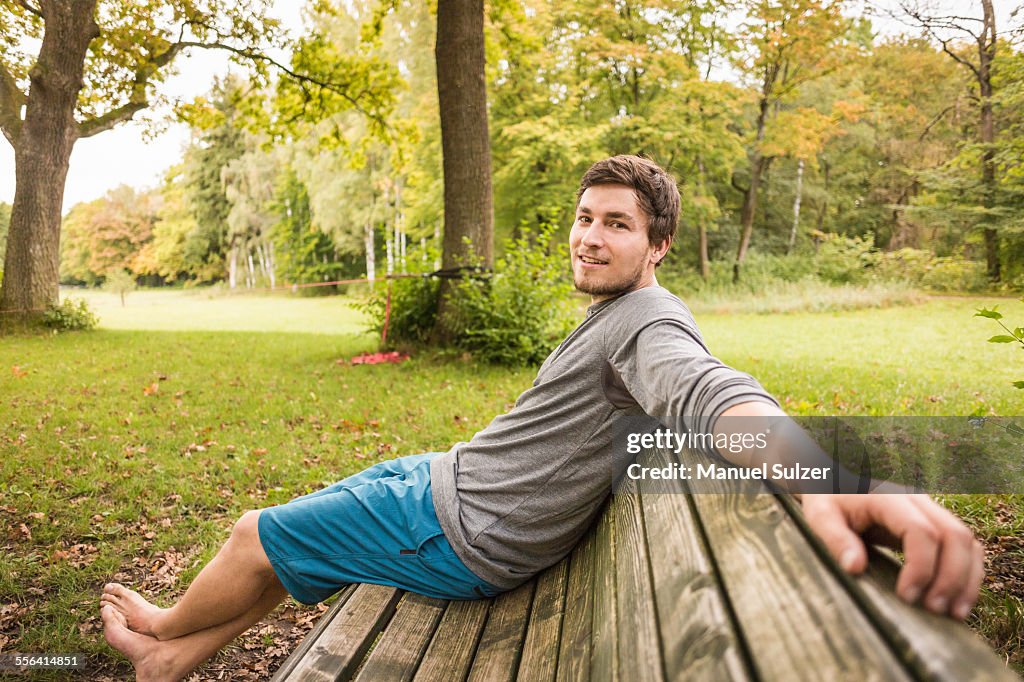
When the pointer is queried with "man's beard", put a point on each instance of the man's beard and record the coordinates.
(604, 288)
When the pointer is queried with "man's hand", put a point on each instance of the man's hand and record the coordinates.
(944, 563)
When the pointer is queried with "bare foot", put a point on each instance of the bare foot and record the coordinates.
(139, 615)
(147, 654)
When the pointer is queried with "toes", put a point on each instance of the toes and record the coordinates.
(112, 616)
(115, 589)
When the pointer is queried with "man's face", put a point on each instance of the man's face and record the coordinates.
(611, 253)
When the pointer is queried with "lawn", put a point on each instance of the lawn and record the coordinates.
(127, 452)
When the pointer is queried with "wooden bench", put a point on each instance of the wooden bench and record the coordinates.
(729, 586)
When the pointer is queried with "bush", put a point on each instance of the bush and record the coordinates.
(846, 260)
(523, 311)
(516, 315)
(413, 303)
(839, 261)
(71, 315)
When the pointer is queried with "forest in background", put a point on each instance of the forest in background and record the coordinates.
(790, 133)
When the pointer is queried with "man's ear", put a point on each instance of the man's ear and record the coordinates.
(660, 250)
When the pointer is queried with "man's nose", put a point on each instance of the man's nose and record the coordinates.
(592, 236)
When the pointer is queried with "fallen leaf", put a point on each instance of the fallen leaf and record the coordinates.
(379, 358)
(18, 372)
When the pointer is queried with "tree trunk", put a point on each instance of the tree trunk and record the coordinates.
(823, 209)
(232, 268)
(758, 165)
(702, 230)
(371, 263)
(465, 144)
(986, 56)
(796, 205)
(42, 149)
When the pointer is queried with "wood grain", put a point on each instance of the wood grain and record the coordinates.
(574, 648)
(544, 628)
(340, 648)
(397, 654)
(451, 650)
(497, 655)
(698, 638)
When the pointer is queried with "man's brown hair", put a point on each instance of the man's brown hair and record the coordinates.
(656, 191)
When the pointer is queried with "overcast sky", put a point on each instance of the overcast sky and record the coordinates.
(123, 156)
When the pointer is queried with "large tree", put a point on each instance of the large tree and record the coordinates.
(99, 63)
(952, 30)
(788, 44)
(462, 96)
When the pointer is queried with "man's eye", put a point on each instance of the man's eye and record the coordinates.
(583, 219)
(620, 226)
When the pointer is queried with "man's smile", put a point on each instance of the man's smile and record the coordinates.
(590, 260)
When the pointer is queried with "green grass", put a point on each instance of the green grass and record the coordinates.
(217, 309)
(132, 449)
(929, 359)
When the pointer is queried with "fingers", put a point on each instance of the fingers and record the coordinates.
(960, 567)
(827, 519)
(943, 563)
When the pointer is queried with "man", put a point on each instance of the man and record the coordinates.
(488, 514)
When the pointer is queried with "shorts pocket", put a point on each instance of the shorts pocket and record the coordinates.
(435, 548)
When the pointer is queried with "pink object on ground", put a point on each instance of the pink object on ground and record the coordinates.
(379, 358)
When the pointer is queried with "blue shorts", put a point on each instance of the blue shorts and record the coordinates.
(378, 526)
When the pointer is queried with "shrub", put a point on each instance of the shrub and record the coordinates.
(413, 303)
(846, 260)
(71, 315)
(515, 315)
(520, 313)
(955, 274)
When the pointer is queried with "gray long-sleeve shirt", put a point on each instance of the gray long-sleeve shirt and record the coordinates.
(518, 497)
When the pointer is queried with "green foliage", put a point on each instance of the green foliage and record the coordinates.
(518, 315)
(514, 316)
(70, 315)
(1014, 336)
(413, 303)
(304, 252)
(206, 246)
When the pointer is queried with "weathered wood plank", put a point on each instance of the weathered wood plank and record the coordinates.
(454, 643)
(397, 653)
(544, 629)
(309, 641)
(933, 647)
(574, 648)
(698, 638)
(604, 645)
(639, 649)
(497, 655)
(797, 620)
(340, 648)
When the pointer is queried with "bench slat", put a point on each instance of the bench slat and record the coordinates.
(699, 640)
(605, 641)
(309, 641)
(397, 653)
(798, 621)
(937, 647)
(497, 655)
(544, 629)
(341, 646)
(639, 645)
(451, 650)
(933, 647)
(574, 648)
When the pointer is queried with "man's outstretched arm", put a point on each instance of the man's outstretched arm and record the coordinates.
(943, 562)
